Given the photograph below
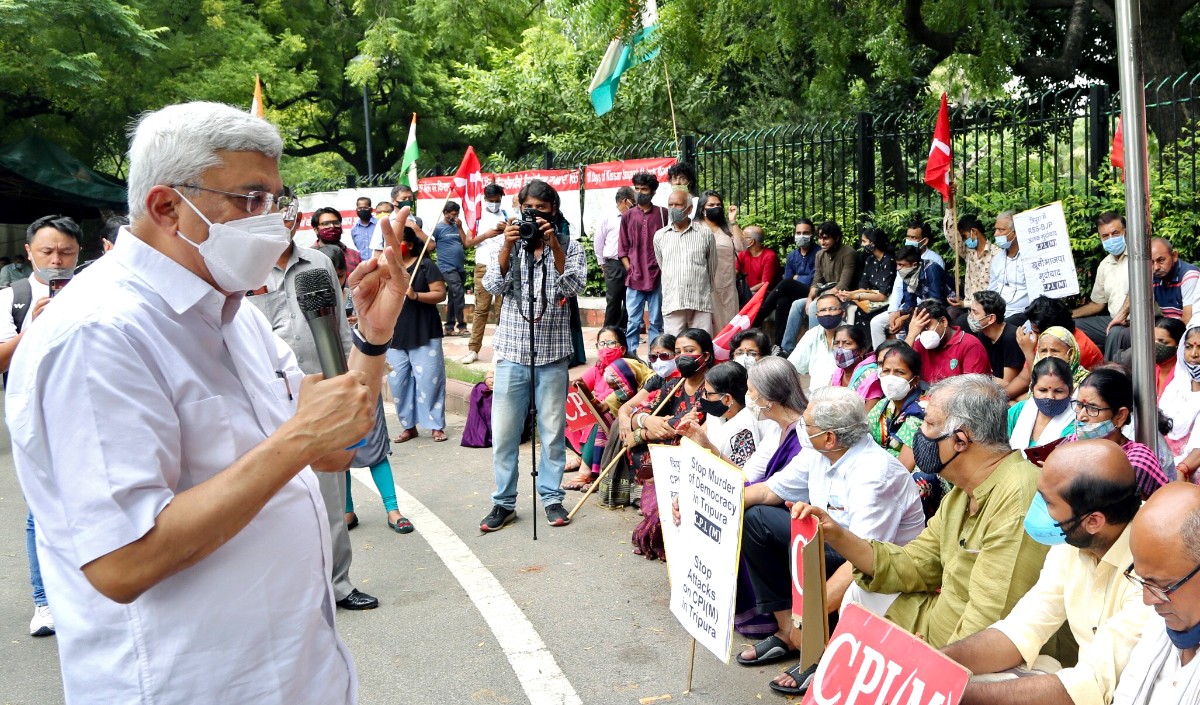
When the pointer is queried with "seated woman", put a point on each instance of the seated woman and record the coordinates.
(749, 346)
(774, 395)
(857, 368)
(693, 355)
(1058, 342)
(478, 431)
(894, 421)
(589, 444)
(1181, 403)
(730, 430)
(1047, 415)
(877, 279)
(1103, 406)
(1168, 337)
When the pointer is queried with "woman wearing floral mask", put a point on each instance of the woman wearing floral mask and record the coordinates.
(1047, 415)
(1103, 406)
(856, 364)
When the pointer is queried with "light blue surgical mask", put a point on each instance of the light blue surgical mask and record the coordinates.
(1040, 526)
(912, 243)
(1114, 245)
(971, 243)
(1089, 431)
(1003, 242)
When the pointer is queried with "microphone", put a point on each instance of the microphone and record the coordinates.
(315, 294)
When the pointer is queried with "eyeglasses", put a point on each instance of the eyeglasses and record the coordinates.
(749, 353)
(1162, 594)
(1090, 410)
(710, 395)
(257, 202)
(662, 356)
(603, 344)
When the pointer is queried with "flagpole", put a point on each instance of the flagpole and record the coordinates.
(671, 101)
(952, 209)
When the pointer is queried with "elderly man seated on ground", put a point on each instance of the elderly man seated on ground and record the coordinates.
(1105, 317)
(1165, 541)
(849, 476)
(1087, 497)
(974, 560)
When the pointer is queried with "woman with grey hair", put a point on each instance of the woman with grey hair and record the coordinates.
(775, 395)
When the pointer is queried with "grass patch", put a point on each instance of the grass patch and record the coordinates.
(462, 373)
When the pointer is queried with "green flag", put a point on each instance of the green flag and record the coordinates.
(408, 163)
(617, 59)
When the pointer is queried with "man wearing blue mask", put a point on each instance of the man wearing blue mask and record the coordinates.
(1105, 318)
(1165, 542)
(1007, 274)
(1087, 497)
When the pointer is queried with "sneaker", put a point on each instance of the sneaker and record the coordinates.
(42, 623)
(498, 518)
(557, 515)
(470, 357)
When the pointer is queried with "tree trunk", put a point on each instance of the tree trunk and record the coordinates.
(1162, 58)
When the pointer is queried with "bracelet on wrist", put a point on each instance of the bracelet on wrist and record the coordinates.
(366, 347)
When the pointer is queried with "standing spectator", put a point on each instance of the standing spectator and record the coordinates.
(418, 376)
(682, 174)
(327, 223)
(1110, 292)
(17, 270)
(985, 318)
(383, 209)
(814, 354)
(798, 272)
(945, 350)
(730, 241)
(401, 196)
(688, 252)
(53, 244)
(492, 222)
(559, 271)
(363, 228)
(608, 236)
(643, 290)
(918, 234)
(1007, 275)
(450, 240)
(759, 263)
(836, 269)
(1174, 280)
(967, 239)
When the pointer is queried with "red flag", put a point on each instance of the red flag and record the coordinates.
(468, 184)
(937, 171)
(1118, 149)
(740, 322)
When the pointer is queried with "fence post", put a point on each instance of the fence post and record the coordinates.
(1098, 129)
(351, 180)
(689, 150)
(548, 160)
(864, 164)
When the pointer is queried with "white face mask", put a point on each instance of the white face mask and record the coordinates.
(240, 254)
(894, 387)
(746, 361)
(930, 339)
(755, 410)
(663, 368)
(491, 207)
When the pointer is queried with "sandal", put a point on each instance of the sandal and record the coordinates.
(581, 483)
(351, 520)
(408, 435)
(803, 679)
(402, 526)
(769, 650)
(438, 435)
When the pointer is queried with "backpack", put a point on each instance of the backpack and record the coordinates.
(22, 298)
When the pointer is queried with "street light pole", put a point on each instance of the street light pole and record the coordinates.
(1137, 217)
(367, 132)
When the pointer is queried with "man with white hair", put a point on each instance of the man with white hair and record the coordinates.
(858, 483)
(188, 555)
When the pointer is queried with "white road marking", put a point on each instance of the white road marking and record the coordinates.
(535, 667)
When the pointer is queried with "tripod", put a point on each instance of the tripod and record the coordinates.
(536, 435)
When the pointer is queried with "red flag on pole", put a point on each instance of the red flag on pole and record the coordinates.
(937, 170)
(468, 183)
(1118, 149)
(742, 321)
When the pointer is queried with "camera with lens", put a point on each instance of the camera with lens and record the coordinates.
(530, 231)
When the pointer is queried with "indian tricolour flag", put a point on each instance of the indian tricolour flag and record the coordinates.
(408, 162)
(620, 57)
(256, 105)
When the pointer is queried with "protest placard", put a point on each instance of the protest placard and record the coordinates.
(702, 553)
(871, 660)
(808, 588)
(1046, 252)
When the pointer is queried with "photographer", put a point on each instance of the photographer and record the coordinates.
(559, 271)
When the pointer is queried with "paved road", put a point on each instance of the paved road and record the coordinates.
(576, 601)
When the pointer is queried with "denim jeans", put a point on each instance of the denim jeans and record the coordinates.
(635, 301)
(795, 321)
(510, 406)
(35, 568)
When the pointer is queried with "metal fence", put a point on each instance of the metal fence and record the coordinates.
(1044, 146)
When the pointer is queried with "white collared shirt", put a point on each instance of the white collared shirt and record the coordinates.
(813, 356)
(140, 382)
(868, 492)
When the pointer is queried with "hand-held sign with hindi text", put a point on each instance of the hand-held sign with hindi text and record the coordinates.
(1046, 252)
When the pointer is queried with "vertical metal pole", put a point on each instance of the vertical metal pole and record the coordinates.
(367, 132)
(864, 164)
(1097, 135)
(1137, 216)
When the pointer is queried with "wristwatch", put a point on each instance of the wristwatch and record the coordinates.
(364, 347)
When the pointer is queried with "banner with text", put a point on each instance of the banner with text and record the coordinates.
(1046, 252)
(564, 181)
(871, 660)
(601, 181)
(703, 550)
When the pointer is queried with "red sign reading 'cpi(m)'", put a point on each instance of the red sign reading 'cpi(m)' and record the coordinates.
(870, 661)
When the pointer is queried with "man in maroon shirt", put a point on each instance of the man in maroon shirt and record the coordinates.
(635, 247)
(945, 350)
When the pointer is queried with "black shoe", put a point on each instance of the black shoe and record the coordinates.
(777, 351)
(358, 601)
(557, 515)
(498, 518)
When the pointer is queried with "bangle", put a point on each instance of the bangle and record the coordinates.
(367, 348)
(1183, 470)
(641, 419)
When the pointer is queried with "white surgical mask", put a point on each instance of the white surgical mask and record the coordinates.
(894, 387)
(755, 410)
(240, 254)
(930, 339)
(746, 361)
(663, 368)
(491, 207)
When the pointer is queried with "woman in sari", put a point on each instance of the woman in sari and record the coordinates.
(1047, 415)
(857, 368)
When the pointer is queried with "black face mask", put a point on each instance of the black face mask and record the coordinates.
(689, 365)
(364, 214)
(927, 455)
(1164, 352)
(715, 214)
(713, 408)
(645, 199)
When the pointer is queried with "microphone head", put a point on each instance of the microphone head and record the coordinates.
(314, 290)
